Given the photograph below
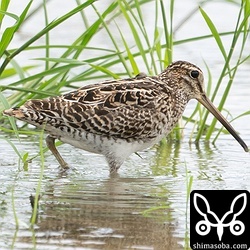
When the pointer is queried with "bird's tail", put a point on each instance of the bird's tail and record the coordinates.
(15, 112)
(24, 113)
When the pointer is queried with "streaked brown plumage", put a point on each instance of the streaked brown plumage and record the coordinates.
(118, 117)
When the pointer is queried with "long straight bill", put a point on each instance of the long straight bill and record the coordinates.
(209, 105)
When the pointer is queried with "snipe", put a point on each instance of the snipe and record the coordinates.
(116, 118)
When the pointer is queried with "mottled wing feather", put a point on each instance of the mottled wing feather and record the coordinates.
(117, 108)
(126, 91)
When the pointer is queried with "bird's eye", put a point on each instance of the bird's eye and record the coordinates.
(194, 73)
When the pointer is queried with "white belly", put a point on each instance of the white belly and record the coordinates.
(102, 145)
(113, 149)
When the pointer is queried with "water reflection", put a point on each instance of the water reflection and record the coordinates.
(167, 155)
(104, 214)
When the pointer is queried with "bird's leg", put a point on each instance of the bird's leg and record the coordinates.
(113, 168)
(114, 164)
(50, 141)
(113, 171)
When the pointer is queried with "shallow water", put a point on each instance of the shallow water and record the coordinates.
(145, 206)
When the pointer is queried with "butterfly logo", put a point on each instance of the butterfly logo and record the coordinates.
(210, 219)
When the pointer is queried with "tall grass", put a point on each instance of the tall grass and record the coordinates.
(230, 68)
(121, 56)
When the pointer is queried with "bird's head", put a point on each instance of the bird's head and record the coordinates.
(185, 77)
(188, 78)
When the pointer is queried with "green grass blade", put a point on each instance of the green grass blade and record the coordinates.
(49, 27)
(240, 25)
(42, 74)
(214, 32)
(169, 36)
(14, 148)
(33, 219)
(47, 50)
(80, 43)
(10, 31)
(246, 4)
(3, 7)
(30, 90)
(11, 119)
(7, 34)
(134, 31)
(130, 55)
(140, 22)
(157, 44)
(105, 70)
(122, 60)
(16, 70)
